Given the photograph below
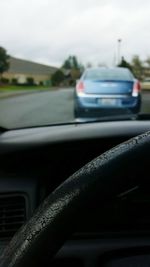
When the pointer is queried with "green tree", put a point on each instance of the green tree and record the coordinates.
(75, 63)
(67, 64)
(57, 78)
(4, 61)
(125, 64)
(137, 66)
(30, 81)
(71, 63)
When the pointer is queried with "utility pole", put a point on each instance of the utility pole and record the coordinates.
(119, 50)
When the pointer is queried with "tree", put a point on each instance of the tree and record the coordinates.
(57, 78)
(67, 64)
(125, 64)
(75, 63)
(4, 61)
(137, 67)
(30, 81)
(74, 69)
(71, 63)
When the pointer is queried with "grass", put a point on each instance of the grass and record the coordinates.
(19, 88)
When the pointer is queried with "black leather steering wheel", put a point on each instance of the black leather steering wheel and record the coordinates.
(108, 175)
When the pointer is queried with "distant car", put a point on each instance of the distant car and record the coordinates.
(107, 92)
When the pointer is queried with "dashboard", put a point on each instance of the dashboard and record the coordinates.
(33, 162)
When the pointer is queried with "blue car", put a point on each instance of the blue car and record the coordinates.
(107, 92)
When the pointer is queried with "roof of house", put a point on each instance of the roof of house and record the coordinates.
(28, 67)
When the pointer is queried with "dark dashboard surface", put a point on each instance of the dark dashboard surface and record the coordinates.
(68, 133)
(33, 162)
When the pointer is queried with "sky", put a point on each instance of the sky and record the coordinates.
(48, 31)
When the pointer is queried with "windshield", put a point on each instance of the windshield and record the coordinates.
(73, 62)
(109, 74)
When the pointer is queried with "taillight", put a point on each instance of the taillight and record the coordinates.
(80, 87)
(136, 88)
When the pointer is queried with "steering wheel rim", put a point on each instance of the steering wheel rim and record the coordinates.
(51, 223)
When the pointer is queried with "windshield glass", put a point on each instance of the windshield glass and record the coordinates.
(108, 74)
(73, 62)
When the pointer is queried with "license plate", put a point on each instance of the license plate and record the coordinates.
(109, 85)
(107, 102)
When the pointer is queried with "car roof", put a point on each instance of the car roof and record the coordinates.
(107, 68)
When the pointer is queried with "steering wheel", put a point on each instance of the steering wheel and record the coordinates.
(111, 173)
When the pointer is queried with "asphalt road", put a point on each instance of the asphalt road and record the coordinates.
(46, 107)
(145, 102)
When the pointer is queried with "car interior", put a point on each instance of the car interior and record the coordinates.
(111, 232)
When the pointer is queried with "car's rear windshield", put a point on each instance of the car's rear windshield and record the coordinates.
(106, 74)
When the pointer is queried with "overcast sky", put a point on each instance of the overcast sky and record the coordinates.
(47, 31)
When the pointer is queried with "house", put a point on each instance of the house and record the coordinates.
(21, 71)
(71, 75)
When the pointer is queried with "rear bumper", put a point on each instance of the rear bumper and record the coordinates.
(90, 106)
